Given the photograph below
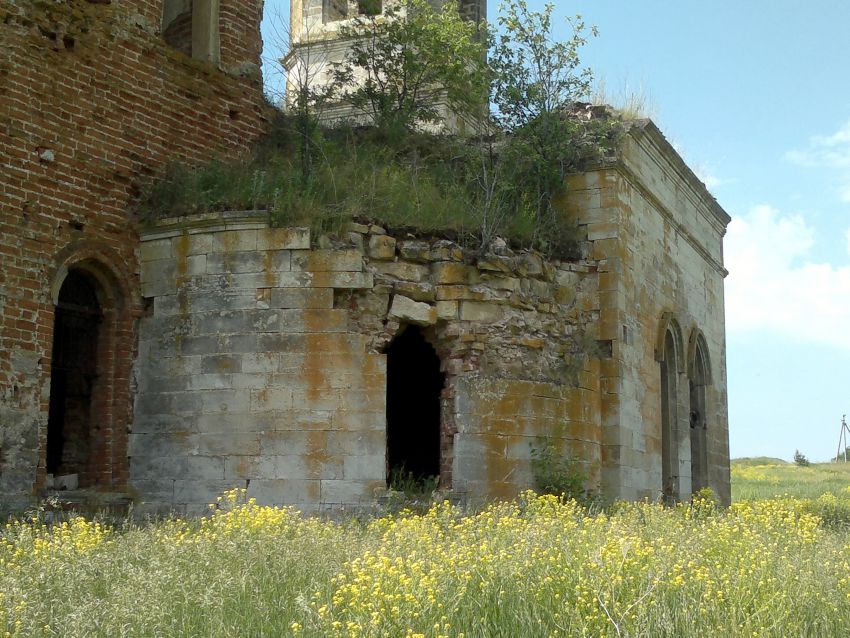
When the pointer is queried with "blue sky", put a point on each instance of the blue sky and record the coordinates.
(755, 97)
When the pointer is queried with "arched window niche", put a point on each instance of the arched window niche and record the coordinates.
(669, 353)
(699, 378)
(192, 27)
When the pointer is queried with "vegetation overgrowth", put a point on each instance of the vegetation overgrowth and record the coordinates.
(538, 566)
(389, 161)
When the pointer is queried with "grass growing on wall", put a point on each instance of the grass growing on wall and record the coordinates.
(421, 183)
(534, 567)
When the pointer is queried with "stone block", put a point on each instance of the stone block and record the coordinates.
(202, 492)
(416, 291)
(345, 492)
(216, 401)
(416, 251)
(221, 363)
(455, 293)
(496, 263)
(450, 272)
(214, 381)
(158, 444)
(342, 280)
(382, 247)
(205, 468)
(226, 443)
(259, 362)
(510, 284)
(224, 422)
(284, 491)
(481, 311)
(199, 345)
(158, 467)
(369, 468)
(159, 278)
(271, 399)
(406, 310)
(195, 244)
(444, 250)
(327, 261)
(447, 310)
(230, 241)
(302, 298)
(154, 250)
(313, 321)
(283, 239)
(241, 467)
(402, 270)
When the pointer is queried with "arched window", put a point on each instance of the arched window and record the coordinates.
(414, 385)
(699, 376)
(668, 352)
(191, 27)
(370, 7)
(334, 10)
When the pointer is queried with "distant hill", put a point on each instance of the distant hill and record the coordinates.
(749, 461)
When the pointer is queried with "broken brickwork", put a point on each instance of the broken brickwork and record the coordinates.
(93, 103)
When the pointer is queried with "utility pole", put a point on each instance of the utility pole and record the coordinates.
(843, 438)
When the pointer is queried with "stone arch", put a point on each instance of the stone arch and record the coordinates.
(699, 377)
(415, 385)
(668, 324)
(92, 346)
(669, 353)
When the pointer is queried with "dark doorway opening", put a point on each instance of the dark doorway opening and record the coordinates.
(414, 385)
(73, 377)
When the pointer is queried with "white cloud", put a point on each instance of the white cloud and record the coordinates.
(775, 285)
(830, 152)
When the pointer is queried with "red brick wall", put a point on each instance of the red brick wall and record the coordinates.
(92, 105)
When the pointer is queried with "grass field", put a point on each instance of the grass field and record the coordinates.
(535, 567)
(767, 478)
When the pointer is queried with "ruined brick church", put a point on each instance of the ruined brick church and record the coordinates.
(170, 361)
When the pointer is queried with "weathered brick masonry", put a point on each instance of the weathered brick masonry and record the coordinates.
(93, 102)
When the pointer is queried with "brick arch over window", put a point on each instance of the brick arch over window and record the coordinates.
(669, 352)
(699, 377)
(93, 342)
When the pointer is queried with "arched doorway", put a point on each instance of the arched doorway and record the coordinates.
(414, 385)
(74, 378)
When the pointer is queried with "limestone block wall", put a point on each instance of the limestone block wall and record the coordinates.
(261, 362)
(657, 235)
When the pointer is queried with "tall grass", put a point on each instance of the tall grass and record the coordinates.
(534, 567)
